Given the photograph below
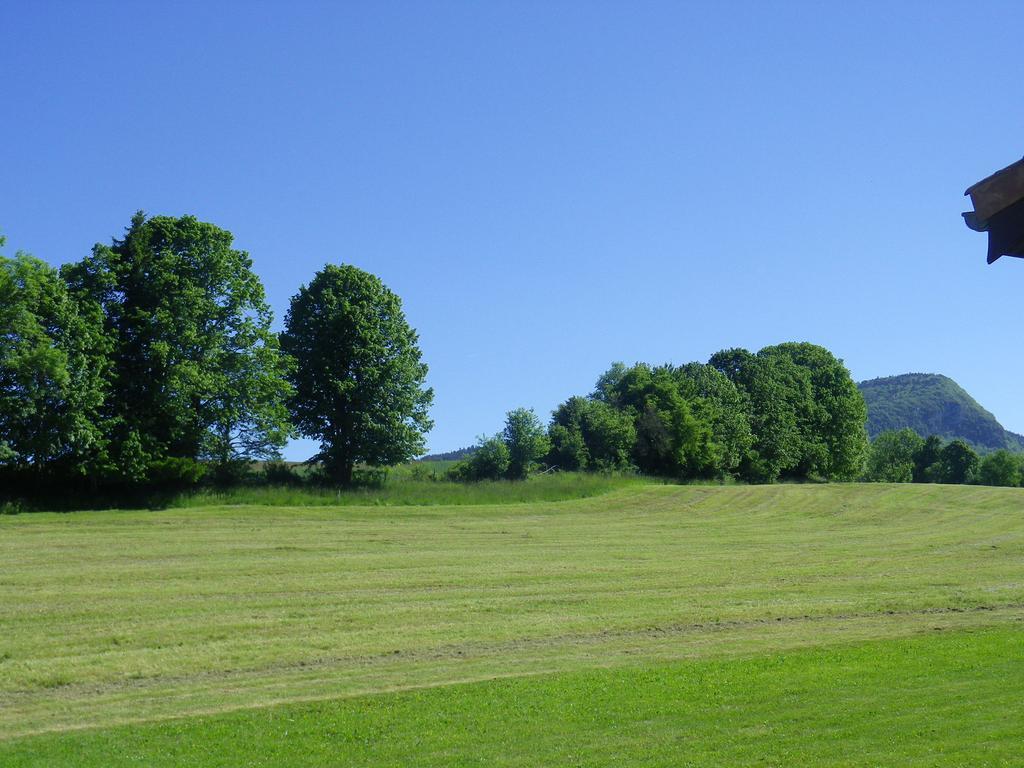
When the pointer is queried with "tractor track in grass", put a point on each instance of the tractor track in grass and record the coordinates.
(628, 648)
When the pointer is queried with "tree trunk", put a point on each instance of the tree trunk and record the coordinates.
(343, 472)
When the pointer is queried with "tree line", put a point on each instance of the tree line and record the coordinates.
(152, 362)
(789, 411)
(903, 456)
(706, 433)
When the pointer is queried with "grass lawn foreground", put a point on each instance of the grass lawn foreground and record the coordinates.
(652, 625)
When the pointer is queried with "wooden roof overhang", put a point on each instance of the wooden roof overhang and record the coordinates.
(999, 210)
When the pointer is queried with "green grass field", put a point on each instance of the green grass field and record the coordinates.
(418, 484)
(651, 625)
(404, 488)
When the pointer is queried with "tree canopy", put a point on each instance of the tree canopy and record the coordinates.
(511, 454)
(892, 456)
(902, 456)
(806, 413)
(586, 433)
(49, 389)
(358, 376)
(790, 410)
(526, 440)
(193, 369)
(1002, 468)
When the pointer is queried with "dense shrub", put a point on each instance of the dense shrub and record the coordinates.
(279, 473)
(958, 463)
(1002, 468)
(177, 472)
(902, 456)
(490, 461)
(891, 458)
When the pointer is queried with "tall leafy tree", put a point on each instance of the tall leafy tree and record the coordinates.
(670, 439)
(358, 374)
(565, 434)
(489, 461)
(248, 413)
(1001, 468)
(526, 440)
(832, 418)
(591, 434)
(958, 463)
(891, 458)
(194, 368)
(927, 466)
(733, 363)
(608, 388)
(50, 387)
(776, 393)
(716, 401)
(609, 434)
(805, 411)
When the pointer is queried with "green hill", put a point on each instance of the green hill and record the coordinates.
(932, 404)
(457, 455)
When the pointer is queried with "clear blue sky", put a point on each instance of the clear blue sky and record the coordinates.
(552, 186)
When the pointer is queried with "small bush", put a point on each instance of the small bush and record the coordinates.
(173, 472)
(279, 473)
(231, 473)
(490, 461)
(11, 507)
(421, 472)
(369, 477)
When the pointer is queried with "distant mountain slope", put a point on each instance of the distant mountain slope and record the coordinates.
(456, 455)
(932, 404)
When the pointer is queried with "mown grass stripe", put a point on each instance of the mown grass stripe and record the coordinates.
(115, 615)
(948, 699)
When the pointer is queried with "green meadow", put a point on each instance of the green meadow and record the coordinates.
(646, 625)
(418, 485)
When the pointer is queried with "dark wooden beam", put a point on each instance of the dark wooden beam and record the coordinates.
(999, 210)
